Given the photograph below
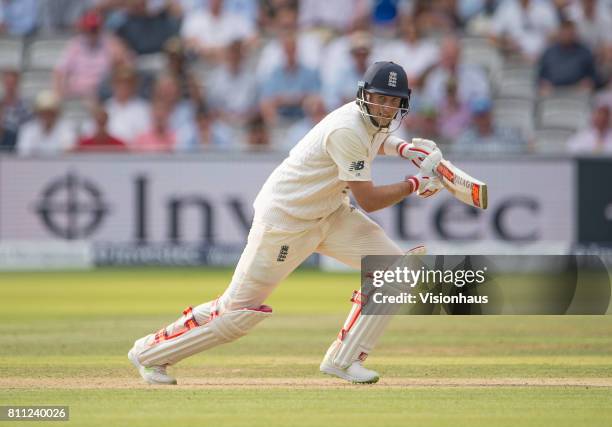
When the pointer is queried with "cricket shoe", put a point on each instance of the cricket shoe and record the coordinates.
(355, 373)
(151, 374)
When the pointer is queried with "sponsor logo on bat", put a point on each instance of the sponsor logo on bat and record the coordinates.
(446, 172)
(476, 195)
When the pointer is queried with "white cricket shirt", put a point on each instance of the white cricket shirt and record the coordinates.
(310, 184)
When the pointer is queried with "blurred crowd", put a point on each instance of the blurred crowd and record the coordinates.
(499, 76)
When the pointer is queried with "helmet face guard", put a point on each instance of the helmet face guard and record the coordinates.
(389, 79)
(396, 121)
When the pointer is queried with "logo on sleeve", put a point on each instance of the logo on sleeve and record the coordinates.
(357, 166)
(282, 255)
(392, 79)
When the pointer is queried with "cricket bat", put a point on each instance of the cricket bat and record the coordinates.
(461, 185)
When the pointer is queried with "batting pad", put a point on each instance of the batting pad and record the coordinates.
(360, 332)
(221, 329)
(356, 342)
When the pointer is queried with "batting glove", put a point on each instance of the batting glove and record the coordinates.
(425, 186)
(424, 144)
(430, 163)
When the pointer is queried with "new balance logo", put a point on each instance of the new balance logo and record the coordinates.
(357, 166)
(392, 79)
(282, 255)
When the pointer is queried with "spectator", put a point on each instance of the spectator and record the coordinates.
(454, 114)
(101, 140)
(209, 32)
(309, 45)
(605, 96)
(472, 81)
(128, 115)
(338, 16)
(181, 111)
(114, 11)
(438, 17)
(144, 32)
(523, 26)
(160, 137)
(336, 54)
(315, 111)
(593, 20)
(478, 16)
(178, 8)
(60, 16)
(46, 134)
(144, 87)
(233, 78)
(339, 86)
(87, 59)
(178, 66)
(210, 133)
(424, 123)
(18, 17)
(248, 9)
(484, 136)
(468, 9)
(413, 52)
(598, 137)
(283, 92)
(258, 138)
(13, 110)
(385, 14)
(567, 63)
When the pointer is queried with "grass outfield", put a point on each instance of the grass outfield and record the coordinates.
(65, 338)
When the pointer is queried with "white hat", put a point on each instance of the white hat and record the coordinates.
(46, 100)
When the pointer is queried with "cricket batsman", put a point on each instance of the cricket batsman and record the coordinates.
(302, 208)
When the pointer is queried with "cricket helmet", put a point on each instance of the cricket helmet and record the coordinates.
(384, 78)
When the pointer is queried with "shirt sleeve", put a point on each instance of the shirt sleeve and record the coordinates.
(350, 155)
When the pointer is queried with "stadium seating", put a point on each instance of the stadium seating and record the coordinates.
(565, 110)
(515, 113)
(43, 53)
(34, 81)
(516, 81)
(11, 53)
(551, 140)
(479, 51)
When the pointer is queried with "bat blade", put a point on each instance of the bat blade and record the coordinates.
(462, 186)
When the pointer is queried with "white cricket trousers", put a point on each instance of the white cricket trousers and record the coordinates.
(272, 254)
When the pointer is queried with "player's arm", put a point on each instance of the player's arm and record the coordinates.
(372, 198)
(350, 154)
(415, 150)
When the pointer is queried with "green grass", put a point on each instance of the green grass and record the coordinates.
(65, 332)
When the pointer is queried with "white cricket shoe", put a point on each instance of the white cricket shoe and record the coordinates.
(151, 374)
(355, 373)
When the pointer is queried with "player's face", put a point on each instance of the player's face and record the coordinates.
(383, 107)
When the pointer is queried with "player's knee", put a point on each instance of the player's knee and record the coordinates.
(233, 324)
